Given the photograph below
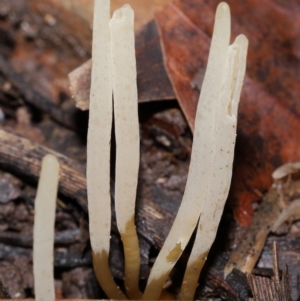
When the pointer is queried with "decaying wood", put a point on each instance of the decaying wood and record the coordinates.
(152, 80)
(274, 289)
(34, 98)
(23, 157)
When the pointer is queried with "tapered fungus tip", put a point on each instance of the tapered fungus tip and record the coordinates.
(242, 39)
(222, 17)
(223, 7)
(222, 25)
(50, 160)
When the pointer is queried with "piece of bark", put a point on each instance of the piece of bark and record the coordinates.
(268, 124)
(274, 289)
(152, 80)
(288, 246)
(263, 289)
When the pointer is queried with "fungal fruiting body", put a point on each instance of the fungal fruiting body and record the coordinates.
(114, 71)
(98, 149)
(127, 141)
(225, 136)
(43, 230)
(200, 170)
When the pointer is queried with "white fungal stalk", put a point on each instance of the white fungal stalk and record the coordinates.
(225, 136)
(43, 230)
(200, 171)
(127, 140)
(98, 149)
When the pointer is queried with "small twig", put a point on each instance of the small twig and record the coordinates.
(275, 265)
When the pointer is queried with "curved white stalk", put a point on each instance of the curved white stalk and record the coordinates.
(200, 171)
(98, 149)
(127, 140)
(286, 170)
(43, 230)
(225, 136)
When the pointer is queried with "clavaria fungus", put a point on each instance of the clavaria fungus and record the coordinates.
(43, 231)
(211, 160)
(113, 66)
(114, 93)
(127, 141)
(114, 72)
